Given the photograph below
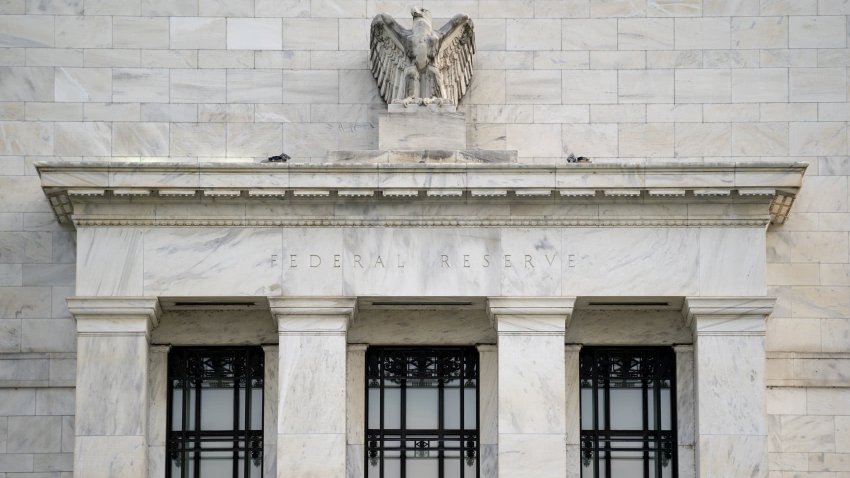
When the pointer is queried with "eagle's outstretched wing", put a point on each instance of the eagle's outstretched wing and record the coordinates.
(387, 55)
(454, 58)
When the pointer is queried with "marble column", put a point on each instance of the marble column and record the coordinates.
(573, 410)
(112, 397)
(685, 419)
(729, 361)
(157, 409)
(311, 435)
(532, 385)
(488, 415)
(270, 387)
(356, 416)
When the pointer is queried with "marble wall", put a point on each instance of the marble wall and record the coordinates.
(643, 80)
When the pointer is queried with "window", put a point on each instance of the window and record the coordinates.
(422, 412)
(628, 412)
(215, 413)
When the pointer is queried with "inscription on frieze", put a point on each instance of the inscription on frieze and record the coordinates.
(442, 261)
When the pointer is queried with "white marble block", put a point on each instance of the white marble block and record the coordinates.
(112, 401)
(422, 127)
(729, 360)
(311, 426)
(157, 412)
(532, 385)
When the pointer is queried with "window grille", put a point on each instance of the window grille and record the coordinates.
(215, 412)
(628, 412)
(422, 412)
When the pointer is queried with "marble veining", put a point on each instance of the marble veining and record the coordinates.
(200, 327)
(110, 456)
(730, 385)
(743, 456)
(312, 373)
(109, 261)
(531, 385)
(541, 456)
(421, 262)
(413, 261)
(270, 404)
(624, 261)
(311, 455)
(112, 374)
(213, 261)
(727, 268)
(421, 327)
(634, 327)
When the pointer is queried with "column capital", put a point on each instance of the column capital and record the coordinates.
(312, 315)
(727, 315)
(530, 315)
(115, 315)
(530, 305)
(313, 305)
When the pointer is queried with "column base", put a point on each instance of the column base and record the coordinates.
(110, 456)
(722, 456)
(316, 455)
(527, 454)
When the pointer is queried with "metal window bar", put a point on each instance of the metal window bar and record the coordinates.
(652, 369)
(191, 370)
(409, 366)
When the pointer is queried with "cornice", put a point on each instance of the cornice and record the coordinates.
(69, 184)
(89, 221)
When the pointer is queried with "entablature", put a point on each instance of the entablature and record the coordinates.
(400, 194)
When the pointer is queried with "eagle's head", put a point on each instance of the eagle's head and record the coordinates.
(421, 13)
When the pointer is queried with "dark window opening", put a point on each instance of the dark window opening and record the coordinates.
(215, 413)
(628, 412)
(422, 412)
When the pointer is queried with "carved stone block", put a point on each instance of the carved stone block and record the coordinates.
(420, 128)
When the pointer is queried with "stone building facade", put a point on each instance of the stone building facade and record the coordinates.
(747, 87)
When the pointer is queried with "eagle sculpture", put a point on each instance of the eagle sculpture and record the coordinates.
(422, 65)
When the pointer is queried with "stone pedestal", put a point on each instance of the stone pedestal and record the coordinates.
(311, 434)
(112, 399)
(532, 385)
(422, 128)
(729, 361)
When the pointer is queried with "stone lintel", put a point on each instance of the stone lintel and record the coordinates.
(115, 315)
(727, 315)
